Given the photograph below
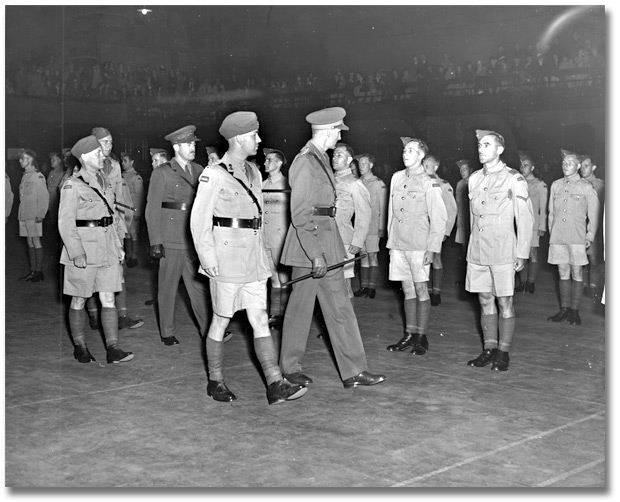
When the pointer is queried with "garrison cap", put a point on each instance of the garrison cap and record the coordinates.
(406, 140)
(155, 151)
(85, 145)
(462, 162)
(267, 151)
(100, 132)
(183, 135)
(30, 153)
(481, 133)
(328, 118)
(211, 149)
(238, 123)
(566, 153)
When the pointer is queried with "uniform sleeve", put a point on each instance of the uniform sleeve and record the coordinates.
(524, 216)
(551, 209)
(43, 196)
(363, 213)
(201, 218)
(138, 189)
(593, 213)
(438, 217)
(388, 216)
(153, 211)
(544, 194)
(67, 214)
(383, 202)
(8, 196)
(451, 209)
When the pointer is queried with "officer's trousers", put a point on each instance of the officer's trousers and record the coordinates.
(344, 334)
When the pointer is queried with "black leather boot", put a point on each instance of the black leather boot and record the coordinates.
(420, 346)
(407, 341)
(561, 316)
(573, 317)
(501, 361)
(487, 356)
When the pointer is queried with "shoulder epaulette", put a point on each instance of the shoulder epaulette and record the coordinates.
(436, 185)
(513, 171)
(304, 150)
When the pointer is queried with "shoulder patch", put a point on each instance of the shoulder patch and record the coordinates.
(436, 185)
(520, 178)
(67, 186)
(40, 175)
(512, 171)
(304, 150)
(204, 178)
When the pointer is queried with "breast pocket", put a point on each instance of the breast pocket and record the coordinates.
(231, 249)
(92, 244)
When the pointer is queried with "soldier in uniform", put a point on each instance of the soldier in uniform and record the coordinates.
(136, 192)
(573, 223)
(312, 244)
(462, 216)
(92, 249)
(538, 193)
(501, 231)
(212, 156)
(352, 201)
(369, 265)
(9, 197)
(33, 206)
(431, 165)
(417, 219)
(159, 156)
(53, 183)
(172, 189)
(594, 271)
(276, 219)
(226, 224)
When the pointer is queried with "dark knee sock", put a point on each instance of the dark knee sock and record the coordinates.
(411, 315)
(109, 321)
(373, 276)
(266, 354)
(532, 271)
(275, 305)
(215, 359)
(506, 331)
(576, 292)
(38, 259)
(437, 280)
(120, 299)
(77, 318)
(565, 293)
(91, 307)
(523, 274)
(424, 312)
(364, 277)
(134, 248)
(32, 258)
(489, 330)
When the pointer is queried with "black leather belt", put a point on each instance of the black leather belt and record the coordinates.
(181, 206)
(106, 221)
(324, 211)
(253, 223)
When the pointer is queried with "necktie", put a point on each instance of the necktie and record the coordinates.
(100, 180)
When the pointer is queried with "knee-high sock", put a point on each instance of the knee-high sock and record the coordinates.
(506, 331)
(489, 330)
(92, 308)
(109, 321)
(565, 293)
(437, 280)
(32, 258)
(275, 305)
(120, 299)
(576, 292)
(215, 359)
(522, 274)
(532, 271)
(411, 315)
(266, 354)
(373, 275)
(364, 273)
(77, 319)
(38, 259)
(424, 312)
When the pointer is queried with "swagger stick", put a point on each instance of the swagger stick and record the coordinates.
(331, 267)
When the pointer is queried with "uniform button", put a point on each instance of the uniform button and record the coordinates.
(236, 193)
(481, 216)
(401, 209)
(414, 196)
(563, 219)
(403, 198)
(404, 186)
(564, 200)
(564, 210)
(485, 189)
(225, 243)
(484, 203)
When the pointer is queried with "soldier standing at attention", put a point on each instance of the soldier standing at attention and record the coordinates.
(573, 222)
(416, 227)
(538, 193)
(431, 165)
(135, 185)
(501, 231)
(462, 217)
(226, 224)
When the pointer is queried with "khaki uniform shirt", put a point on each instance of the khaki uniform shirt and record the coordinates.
(112, 169)
(462, 212)
(417, 214)
(499, 201)
(136, 190)
(378, 204)
(33, 196)
(239, 253)
(573, 211)
(447, 195)
(538, 193)
(276, 214)
(352, 198)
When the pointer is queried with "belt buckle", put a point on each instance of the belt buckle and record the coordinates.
(256, 223)
(105, 221)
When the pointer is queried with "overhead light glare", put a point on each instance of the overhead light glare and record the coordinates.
(144, 12)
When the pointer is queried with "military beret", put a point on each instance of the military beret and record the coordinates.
(30, 153)
(211, 149)
(183, 135)
(328, 118)
(566, 153)
(238, 123)
(85, 145)
(155, 151)
(267, 151)
(100, 132)
(481, 133)
(462, 162)
(406, 140)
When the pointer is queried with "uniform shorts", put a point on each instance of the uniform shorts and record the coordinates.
(572, 254)
(371, 244)
(228, 297)
(30, 228)
(496, 279)
(408, 265)
(83, 282)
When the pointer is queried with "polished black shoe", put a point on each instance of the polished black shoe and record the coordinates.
(420, 346)
(501, 361)
(298, 378)
(27, 277)
(82, 355)
(361, 292)
(562, 315)
(219, 391)
(520, 288)
(364, 378)
(118, 355)
(170, 340)
(372, 292)
(227, 336)
(406, 342)
(573, 317)
(37, 277)
(530, 287)
(435, 299)
(125, 321)
(486, 356)
(281, 391)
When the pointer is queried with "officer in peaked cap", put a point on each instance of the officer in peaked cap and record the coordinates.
(183, 135)
(312, 244)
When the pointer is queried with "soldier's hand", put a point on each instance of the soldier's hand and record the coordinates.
(541, 233)
(382, 234)
(588, 243)
(428, 258)
(121, 256)
(38, 220)
(319, 267)
(80, 261)
(519, 264)
(212, 271)
(354, 249)
(157, 251)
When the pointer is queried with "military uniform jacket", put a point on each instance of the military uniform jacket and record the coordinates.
(537, 190)
(53, 182)
(417, 214)
(352, 198)
(33, 196)
(312, 236)
(135, 185)
(462, 212)
(276, 214)
(170, 183)
(573, 211)
(378, 203)
(498, 202)
(447, 195)
(112, 169)
(78, 201)
(239, 253)
(8, 196)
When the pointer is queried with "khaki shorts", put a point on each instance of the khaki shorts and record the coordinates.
(133, 228)
(228, 297)
(571, 254)
(83, 282)
(408, 266)
(371, 244)
(496, 279)
(30, 228)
